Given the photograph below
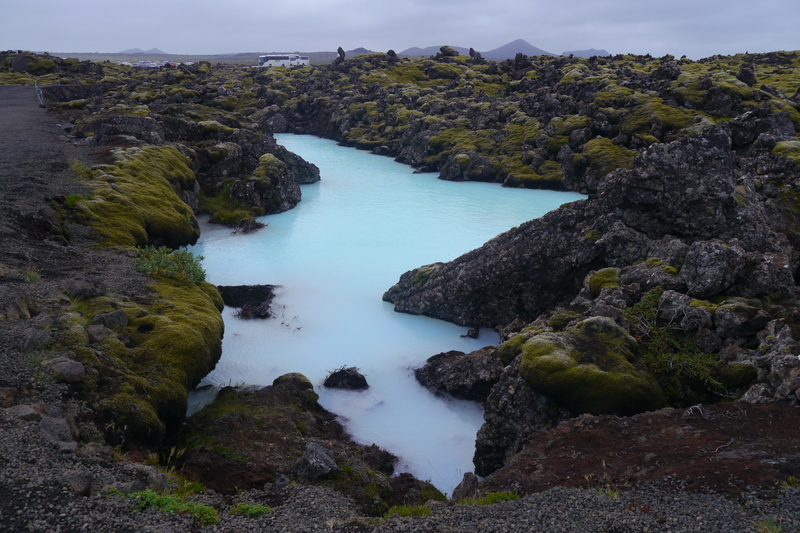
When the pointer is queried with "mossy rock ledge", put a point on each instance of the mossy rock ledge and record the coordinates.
(590, 368)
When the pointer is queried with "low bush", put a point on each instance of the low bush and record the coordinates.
(179, 265)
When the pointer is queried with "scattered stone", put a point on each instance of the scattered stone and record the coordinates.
(58, 432)
(79, 480)
(317, 462)
(25, 412)
(69, 371)
(84, 288)
(98, 333)
(278, 484)
(112, 320)
(35, 340)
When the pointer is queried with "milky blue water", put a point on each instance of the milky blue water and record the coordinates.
(334, 255)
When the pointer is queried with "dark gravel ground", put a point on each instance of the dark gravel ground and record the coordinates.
(51, 481)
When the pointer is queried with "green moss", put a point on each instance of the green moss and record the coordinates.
(251, 510)
(590, 368)
(212, 126)
(559, 321)
(225, 211)
(39, 65)
(171, 344)
(605, 156)
(653, 262)
(422, 274)
(567, 124)
(511, 348)
(703, 304)
(593, 235)
(613, 96)
(790, 149)
(201, 513)
(735, 375)
(669, 269)
(135, 201)
(605, 277)
(517, 134)
(652, 109)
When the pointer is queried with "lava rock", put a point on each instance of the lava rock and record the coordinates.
(346, 378)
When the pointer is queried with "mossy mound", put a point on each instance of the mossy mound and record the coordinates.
(246, 438)
(604, 278)
(593, 367)
(147, 368)
(136, 200)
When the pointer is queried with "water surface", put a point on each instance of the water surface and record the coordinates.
(351, 237)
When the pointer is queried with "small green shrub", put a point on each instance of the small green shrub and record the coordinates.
(408, 510)
(73, 199)
(253, 511)
(200, 513)
(671, 355)
(180, 265)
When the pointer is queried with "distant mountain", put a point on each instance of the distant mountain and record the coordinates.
(513, 48)
(134, 51)
(431, 51)
(358, 52)
(508, 51)
(587, 53)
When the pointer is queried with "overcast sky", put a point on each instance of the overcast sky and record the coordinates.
(696, 28)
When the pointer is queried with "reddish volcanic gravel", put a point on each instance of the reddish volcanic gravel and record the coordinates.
(725, 448)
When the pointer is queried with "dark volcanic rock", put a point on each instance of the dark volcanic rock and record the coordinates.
(253, 301)
(513, 414)
(468, 376)
(686, 189)
(346, 378)
(316, 462)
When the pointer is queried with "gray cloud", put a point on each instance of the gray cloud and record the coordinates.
(695, 28)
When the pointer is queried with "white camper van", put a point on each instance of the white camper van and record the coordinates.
(283, 60)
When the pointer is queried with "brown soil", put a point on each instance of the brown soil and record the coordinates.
(726, 447)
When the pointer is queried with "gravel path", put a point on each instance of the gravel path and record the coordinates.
(52, 478)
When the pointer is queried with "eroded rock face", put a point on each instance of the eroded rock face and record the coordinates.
(513, 413)
(271, 187)
(687, 193)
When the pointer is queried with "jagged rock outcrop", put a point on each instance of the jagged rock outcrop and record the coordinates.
(467, 376)
(690, 189)
(271, 187)
(677, 251)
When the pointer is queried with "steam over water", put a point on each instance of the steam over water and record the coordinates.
(334, 255)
